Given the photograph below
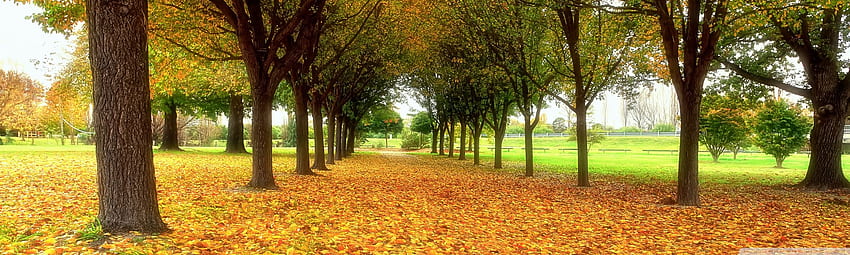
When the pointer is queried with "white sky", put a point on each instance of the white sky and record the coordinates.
(23, 43)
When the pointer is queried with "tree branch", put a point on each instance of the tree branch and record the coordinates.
(807, 93)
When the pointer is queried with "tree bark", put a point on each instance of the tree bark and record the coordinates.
(462, 151)
(434, 136)
(262, 175)
(352, 139)
(302, 139)
(340, 148)
(443, 128)
(235, 127)
(170, 140)
(331, 138)
(688, 183)
(476, 136)
(825, 171)
(318, 134)
(451, 140)
(127, 197)
(529, 146)
(581, 143)
(497, 154)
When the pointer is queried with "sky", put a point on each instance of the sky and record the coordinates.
(24, 43)
(26, 48)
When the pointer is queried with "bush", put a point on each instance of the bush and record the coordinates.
(413, 141)
(515, 129)
(664, 127)
(629, 129)
(543, 129)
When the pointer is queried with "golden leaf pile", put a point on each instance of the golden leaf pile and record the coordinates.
(400, 204)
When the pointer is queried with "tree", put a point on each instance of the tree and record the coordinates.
(689, 32)
(386, 121)
(119, 62)
(421, 123)
(19, 96)
(591, 56)
(559, 125)
(722, 129)
(276, 41)
(814, 33)
(780, 130)
(510, 32)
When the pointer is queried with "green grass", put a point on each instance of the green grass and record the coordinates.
(636, 164)
(641, 166)
(91, 232)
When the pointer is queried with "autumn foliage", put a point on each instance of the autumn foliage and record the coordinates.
(399, 204)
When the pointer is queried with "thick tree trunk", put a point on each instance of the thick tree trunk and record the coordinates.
(262, 174)
(331, 138)
(462, 150)
(497, 154)
(126, 182)
(318, 136)
(170, 141)
(581, 142)
(688, 185)
(302, 139)
(529, 146)
(235, 127)
(825, 171)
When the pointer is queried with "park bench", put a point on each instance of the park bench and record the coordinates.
(567, 149)
(541, 149)
(503, 148)
(670, 151)
(620, 150)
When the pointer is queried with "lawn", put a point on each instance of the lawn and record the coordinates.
(421, 204)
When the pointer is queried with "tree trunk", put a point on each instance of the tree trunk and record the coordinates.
(451, 140)
(352, 139)
(581, 143)
(318, 135)
(302, 139)
(235, 127)
(262, 174)
(462, 151)
(688, 185)
(825, 171)
(443, 128)
(331, 138)
(434, 133)
(497, 154)
(126, 182)
(476, 137)
(529, 146)
(170, 141)
(340, 134)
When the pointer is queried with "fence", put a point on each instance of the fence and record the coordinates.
(606, 134)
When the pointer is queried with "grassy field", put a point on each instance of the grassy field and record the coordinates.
(748, 168)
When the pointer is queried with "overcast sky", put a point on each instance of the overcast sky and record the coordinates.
(23, 43)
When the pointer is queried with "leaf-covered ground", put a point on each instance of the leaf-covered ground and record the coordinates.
(400, 204)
